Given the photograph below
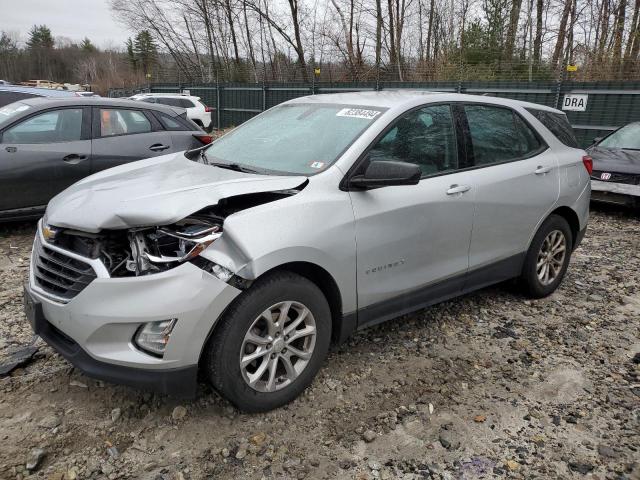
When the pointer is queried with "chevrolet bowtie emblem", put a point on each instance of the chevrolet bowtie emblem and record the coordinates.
(48, 233)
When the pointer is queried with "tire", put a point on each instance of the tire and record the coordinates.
(231, 341)
(533, 285)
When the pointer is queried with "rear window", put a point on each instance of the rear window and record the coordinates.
(557, 124)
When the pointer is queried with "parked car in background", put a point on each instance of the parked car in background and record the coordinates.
(48, 144)
(616, 167)
(13, 93)
(318, 217)
(196, 109)
(4, 82)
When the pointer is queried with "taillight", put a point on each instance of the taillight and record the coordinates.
(205, 139)
(208, 109)
(588, 163)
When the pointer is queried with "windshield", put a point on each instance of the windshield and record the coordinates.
(293, 139)
(12, 110)
(627, 137)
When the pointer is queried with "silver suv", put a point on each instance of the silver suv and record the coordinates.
(245, 259)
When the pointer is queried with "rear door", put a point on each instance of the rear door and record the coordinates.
(184, 133)
(517, 185)
(42, 155)
(123, 135)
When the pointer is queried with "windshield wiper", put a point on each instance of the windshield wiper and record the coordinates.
(236, 167)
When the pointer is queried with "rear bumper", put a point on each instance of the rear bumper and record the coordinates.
(178, 382)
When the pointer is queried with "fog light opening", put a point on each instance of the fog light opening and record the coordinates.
(153, 337)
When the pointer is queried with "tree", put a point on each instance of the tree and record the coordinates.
(145, 51)
(40, 37)
(87, 46)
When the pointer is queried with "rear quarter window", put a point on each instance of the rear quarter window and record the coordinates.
(558, 124)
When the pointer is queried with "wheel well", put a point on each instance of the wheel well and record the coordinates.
(325, 283)
(572, 219)
(197, 121)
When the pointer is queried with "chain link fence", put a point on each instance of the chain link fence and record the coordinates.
(608, 104)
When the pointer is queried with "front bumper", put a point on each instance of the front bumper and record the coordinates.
(95, 329)
(611, 192)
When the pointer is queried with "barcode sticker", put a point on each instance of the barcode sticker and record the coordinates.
(358, 113)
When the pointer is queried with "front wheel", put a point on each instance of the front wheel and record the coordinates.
(270, 343)
(548, 257)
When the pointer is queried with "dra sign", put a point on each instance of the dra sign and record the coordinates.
(575, 103)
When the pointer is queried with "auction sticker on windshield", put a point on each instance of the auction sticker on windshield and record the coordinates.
(358, 113)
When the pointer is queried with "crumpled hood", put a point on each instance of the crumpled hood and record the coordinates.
(156, 191)
(615, 160)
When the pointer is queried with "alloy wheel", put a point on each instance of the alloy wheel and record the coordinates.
(551, 257)
(278, 346)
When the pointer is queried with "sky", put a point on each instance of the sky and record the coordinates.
(74, 19)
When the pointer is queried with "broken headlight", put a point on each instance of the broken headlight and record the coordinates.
(161, 248)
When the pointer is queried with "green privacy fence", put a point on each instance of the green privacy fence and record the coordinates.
(607, 105)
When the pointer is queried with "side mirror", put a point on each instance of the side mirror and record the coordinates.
(597, 139)
(385, 173)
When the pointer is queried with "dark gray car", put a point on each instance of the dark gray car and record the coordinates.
(48, 144)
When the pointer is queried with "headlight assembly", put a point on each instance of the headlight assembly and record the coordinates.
(160, 248)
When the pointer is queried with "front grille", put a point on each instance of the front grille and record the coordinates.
(58, 274)
(616, 177)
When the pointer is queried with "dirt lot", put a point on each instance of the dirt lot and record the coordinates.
(488, 385)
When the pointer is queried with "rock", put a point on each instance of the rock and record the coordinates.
(373, 465)
(369, 436)
(241, 453)
(606, 451)
(77, 383)
(72, 474)
(179, 413)
(346, 463)
(50, 421)
(581, 468)
(512, 465)
(449, 440)
(258, 439)
(113, 451)
(479, 418)
(115, 414)
(291, 464)
(35, 457)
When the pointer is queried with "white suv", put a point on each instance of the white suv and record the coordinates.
(197, 111)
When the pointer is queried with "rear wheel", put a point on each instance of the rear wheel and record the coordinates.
(271, 343)
(548, 257)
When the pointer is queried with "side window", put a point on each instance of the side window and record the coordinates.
(425, 137)
(122, 122)
(49, 127)
(498, 134)
(169, 123)
(558, 124)
(149, 100)
(185, 103)
(172, 102)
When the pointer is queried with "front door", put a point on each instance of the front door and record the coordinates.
(413, 241)
(42, 155)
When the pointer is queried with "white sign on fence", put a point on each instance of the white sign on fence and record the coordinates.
(574, 102)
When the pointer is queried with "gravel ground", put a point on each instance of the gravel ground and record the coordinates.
(488, 385)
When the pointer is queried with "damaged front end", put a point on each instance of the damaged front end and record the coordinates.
(147, 250)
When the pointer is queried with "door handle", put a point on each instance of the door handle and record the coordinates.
(73, 158)
(158, 147)
(455, 189)
(11, 149)
(542, 170)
